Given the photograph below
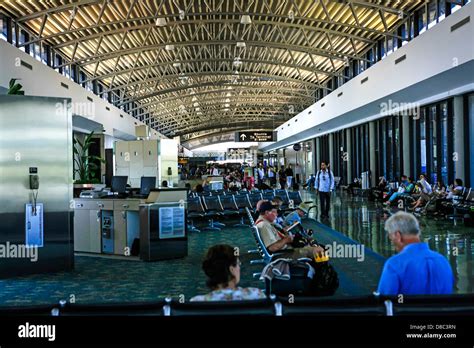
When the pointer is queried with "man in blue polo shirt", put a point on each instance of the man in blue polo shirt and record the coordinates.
(415, 270)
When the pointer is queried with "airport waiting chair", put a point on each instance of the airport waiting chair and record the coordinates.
(453, 205)
(254, 198)
(283, 194)
(218, 192)
(433, 305)
(31, 310)
(213, 208)
(263, 307)
(242, 201)
(112, 309)
(195, 210)
(467, 205)
(229, 205)
(296, 200)
(268, 195)
(265, 256)
(330, 306)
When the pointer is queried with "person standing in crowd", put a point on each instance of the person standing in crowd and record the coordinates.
(298, 173)
(260, 175)
(324, 185)
(215, 170)
(289, 176)
(272, 176)
(415, 270)
(282, 177)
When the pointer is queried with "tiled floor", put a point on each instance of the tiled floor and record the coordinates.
(97, 280)
(363, 222)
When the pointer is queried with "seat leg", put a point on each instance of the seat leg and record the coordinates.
(212, 226)
(241, 223)
(257, 262)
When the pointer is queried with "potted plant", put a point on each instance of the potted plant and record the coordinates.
(15, 88)
(85, 166)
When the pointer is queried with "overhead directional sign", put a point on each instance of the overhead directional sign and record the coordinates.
(256, 136)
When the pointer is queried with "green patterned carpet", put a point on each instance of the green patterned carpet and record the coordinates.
(99, 280)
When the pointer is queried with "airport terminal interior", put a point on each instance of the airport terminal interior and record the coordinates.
(170, 152)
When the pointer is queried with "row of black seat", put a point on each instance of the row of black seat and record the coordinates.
(224, 205)
(456, 305)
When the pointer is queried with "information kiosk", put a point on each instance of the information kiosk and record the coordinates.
(163, 228)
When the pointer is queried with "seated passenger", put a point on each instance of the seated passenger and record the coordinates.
(222, 268)
(278, 240)
(378, 191)
(426, 192)
(296, 215)
(310, 182)
(455, 189)
(415, 270)
(406, 187)
(448, 194)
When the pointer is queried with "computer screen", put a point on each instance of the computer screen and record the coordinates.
(146, 184)
(214, 186)
(119, 184)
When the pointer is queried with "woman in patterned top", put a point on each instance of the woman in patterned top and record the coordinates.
(222, 267)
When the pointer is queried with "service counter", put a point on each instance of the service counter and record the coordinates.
(111, 225)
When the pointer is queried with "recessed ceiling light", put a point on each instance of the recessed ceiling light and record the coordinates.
(229, 94)
(226, 105)
(161, 21)
(245, 19)
(176, 65)
(169, 47)
(241, 44)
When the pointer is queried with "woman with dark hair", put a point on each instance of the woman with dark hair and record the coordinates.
(222, 267)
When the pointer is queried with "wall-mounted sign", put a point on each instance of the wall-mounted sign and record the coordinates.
(259, 137)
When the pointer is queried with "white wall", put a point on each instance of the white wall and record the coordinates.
(433, 52)
(44, 81)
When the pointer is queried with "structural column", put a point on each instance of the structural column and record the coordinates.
(331, 149)
(348, 156)
(405, 150)
(318, 154)
(373, 162)
(314, 157)
(459, 140)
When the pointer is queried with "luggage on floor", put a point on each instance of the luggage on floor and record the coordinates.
(307, 278)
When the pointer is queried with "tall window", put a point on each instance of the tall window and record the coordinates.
(423, 164)
(433, 143)
(444, 142)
